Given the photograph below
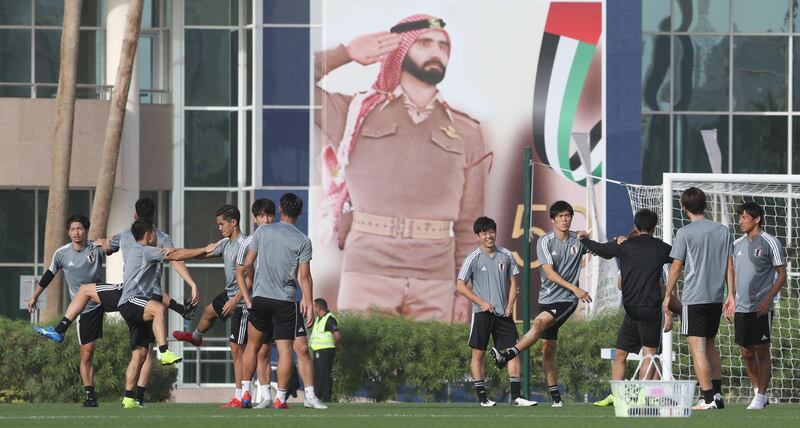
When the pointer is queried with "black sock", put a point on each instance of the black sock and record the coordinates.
(716, 384)
(140, 394)
(177, 307)
(62, 327)
(89, 391)
(480, 388)
(516, 388)
(708, 396)
(554, 394)
(512, 352)
(163, 348)
(128, 393)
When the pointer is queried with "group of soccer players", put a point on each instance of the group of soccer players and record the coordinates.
(275, 312)
(752, 268)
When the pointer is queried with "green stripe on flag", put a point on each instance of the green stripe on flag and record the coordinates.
(572, 95)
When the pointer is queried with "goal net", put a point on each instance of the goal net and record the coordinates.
(780, 197)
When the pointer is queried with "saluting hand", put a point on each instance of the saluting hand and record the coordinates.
(370, 48)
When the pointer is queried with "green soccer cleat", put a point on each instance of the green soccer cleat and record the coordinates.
(130, 403)
(169, 358)
(608, 401)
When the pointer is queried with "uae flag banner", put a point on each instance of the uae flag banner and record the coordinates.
(571, 34)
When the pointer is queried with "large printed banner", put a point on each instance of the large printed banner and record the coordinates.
(423, 111)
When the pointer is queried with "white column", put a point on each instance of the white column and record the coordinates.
(127, 191)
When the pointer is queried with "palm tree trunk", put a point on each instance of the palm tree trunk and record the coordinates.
(116, 119)
(58, 196)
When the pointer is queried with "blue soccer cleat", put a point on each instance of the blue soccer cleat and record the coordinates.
(50, 333)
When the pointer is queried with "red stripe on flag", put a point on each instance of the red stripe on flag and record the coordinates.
(580, 21)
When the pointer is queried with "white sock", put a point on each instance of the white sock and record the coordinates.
(266, 392)
(237, 393)
(196, 335)
(310, 392)
(246, 386)
(281, 395)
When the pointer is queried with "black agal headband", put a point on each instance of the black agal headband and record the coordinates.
(422, 24)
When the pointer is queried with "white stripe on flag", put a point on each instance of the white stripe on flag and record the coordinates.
(559, 76)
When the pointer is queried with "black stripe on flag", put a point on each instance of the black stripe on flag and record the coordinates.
(544, 69)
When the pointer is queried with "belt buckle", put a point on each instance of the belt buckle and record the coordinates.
(399, 227)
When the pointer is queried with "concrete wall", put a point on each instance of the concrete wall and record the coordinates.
(26, 134)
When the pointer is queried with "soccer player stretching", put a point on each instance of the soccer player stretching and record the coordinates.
(705, 248)
(760, 268)
(560, 254)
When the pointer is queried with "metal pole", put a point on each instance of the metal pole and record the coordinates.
(527, 201)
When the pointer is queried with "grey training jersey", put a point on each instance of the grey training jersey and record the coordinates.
(229, 250)
(755, 262)
(281, 247)
(124, 239)
(140, 272)
(80, 267)
(704, 247)
(490, 277)
(565, 256)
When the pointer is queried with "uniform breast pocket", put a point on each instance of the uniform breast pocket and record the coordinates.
(450, 145)
(379, 131)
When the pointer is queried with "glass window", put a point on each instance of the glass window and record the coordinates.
(151, 14)
(48, 52)
(760, 145)
(248, 143)
(796, 145)
(655, 15)
(762, 16)
(211, 67)
(15, 91)
(701, 16)
(760, 67)
(92, 13)
(90, 61)
(17, 226)
(285, 147)
(210, 149)
(796, 75)
(212, 12)
(655, 148)
(286, 66)
(49, 12)
(248, 49)
(701, 72)
(655, 73)
(15, 55)
(9, 304)
(15, 12)
(689, 152)
(147, 71)
(201, 227)
(286, 11)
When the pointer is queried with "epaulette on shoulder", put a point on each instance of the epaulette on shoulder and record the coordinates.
(463, 117)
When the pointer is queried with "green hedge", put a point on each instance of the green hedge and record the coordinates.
(383, 353)
(36, 369)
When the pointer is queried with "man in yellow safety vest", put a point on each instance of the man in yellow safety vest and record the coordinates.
(325, 338)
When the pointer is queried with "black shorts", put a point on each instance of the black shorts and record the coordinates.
(280, 316)
(560, 311)
(219, 301)
(302, 328)
(503, 331)
(752, 330)
(238, 326)
(701, 320)
(89, 326)
(634, 334)
(141, 331)
(109, 295)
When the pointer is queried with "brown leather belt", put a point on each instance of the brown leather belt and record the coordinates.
(408, 228)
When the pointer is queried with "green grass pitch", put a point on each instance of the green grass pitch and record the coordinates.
(380, 415)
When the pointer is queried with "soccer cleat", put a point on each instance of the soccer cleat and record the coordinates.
(130, 403)
(189, 309)
(246, 401)
(278, 404)
(521, 402)
(264, 404)
(501, 357)
(488, 403)
(185, 336)
(608, 401)
(557, 404)
(758, 403)
(719, 401)
(314, 403)
(50, 333)
(90, 402)
(702, 405)
(235, 403)
(169, 358)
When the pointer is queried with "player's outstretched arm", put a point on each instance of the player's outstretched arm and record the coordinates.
(552, 275)
(609, 250)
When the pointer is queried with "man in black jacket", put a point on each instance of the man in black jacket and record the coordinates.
(641, 258)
